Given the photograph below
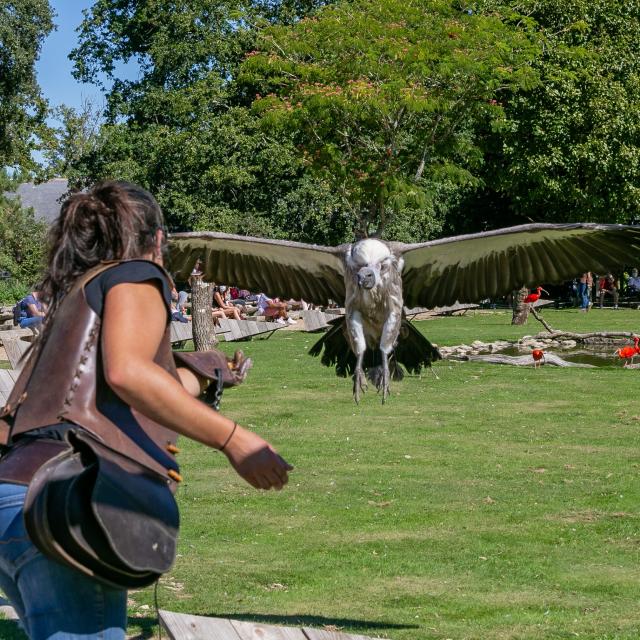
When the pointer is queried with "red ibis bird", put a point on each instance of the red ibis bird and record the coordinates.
(375, 279)
(534, 297)
(628, 353)
(538, 357)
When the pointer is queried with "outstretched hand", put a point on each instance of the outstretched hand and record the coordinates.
(256, 461)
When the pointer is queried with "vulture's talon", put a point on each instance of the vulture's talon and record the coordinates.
(359, 385)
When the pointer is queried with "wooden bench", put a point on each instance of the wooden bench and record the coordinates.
(182, 626)
(230, 330)
(15, 348)
(315, 320)
(441, 311)
(16, 333)
(8, 378)
(180, 331)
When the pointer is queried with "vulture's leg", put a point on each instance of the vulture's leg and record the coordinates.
(359, 344)
(387, 343)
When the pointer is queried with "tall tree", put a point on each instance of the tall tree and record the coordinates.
(387, 97)
(22, 243)
(569, 149)
(23, 26)
(182, 130)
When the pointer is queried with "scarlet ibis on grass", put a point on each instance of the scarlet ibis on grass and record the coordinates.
(538, 357)
(628, 353)
(534, 297)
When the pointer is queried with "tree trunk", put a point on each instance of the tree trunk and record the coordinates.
(204, 333)
(520, 307)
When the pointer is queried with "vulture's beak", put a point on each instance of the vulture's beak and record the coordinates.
(366, 278)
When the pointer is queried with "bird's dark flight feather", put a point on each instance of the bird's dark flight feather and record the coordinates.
(413, 352)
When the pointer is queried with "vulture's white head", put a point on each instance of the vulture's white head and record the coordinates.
(372, 263)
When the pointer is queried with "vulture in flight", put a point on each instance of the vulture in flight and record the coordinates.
(375, 279)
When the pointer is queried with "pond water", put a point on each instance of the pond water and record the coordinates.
(601, 355)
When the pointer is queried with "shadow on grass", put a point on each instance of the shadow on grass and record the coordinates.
(311, 621)
(146, 627)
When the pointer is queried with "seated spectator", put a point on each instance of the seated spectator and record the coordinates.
(609, 285)
(298, 305)
(235, 297)
(32, 311)
(633, 283)
(222, 308)
(273, 308)
(183, 296)
(178, 312)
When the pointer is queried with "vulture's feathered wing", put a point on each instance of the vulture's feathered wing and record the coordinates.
(276, 267)
(439, 273)
(472, 267)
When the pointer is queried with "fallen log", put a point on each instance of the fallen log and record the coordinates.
(525, 361)
(546, 335)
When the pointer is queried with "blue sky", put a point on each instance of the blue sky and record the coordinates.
(54, 67)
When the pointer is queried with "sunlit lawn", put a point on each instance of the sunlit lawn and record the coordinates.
(493, 502)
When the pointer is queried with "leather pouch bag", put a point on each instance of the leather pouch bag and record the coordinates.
(103, 514)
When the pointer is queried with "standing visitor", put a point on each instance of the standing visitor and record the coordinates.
(584, 291)
(96, 370)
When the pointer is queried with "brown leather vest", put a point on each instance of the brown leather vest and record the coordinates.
(63, 377)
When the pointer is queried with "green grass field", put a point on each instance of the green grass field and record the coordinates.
(496, 502)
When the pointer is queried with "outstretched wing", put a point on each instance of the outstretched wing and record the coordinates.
(484, 265)
(275, 267)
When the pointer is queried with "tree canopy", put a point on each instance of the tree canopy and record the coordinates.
(23, 26)
(388, 98)
(568, 149)
(22, 244)
(316, 121)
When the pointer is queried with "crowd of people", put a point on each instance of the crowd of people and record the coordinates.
(235, 303)
(607, 287)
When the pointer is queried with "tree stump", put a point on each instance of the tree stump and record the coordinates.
(204, 332)
(520, 307)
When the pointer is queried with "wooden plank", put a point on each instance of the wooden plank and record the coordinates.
(181, 626)
(235, 330)
(315, 320)
(323, 634)
(223, 330)
(181, 331)
(15, 333)
(15, 349)
(7, 381)
(252, 328)
(254, 631)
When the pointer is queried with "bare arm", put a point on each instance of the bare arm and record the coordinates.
(131, 372)
(35, 311)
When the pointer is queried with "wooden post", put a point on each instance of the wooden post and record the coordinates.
(204, 333)
(520, 307)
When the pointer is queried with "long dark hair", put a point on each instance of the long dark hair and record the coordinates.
(112, 221)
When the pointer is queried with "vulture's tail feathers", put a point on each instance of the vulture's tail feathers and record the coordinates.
(335, 349)
(413, 350)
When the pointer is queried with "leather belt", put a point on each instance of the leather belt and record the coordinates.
(26, 456)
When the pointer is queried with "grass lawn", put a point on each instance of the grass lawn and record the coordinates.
(496, 502)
